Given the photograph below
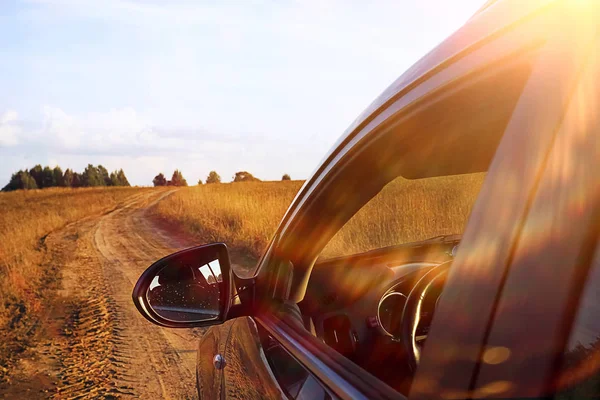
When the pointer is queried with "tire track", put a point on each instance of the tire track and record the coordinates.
(103, 348)
(127, 246)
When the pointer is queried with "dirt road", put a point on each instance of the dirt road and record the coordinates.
(93, 343)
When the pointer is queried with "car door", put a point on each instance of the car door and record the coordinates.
(536, 247)
(549, 301)
(521, 154)
(208, 378)
(259, 367)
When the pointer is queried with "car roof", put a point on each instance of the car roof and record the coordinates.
(490, 21)
(491, 18)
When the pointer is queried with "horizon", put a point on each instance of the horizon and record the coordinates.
(263, 87)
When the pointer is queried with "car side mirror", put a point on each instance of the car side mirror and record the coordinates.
(187, 289)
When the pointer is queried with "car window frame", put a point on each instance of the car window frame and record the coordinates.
(331, 368)
(462, 48)
(509, 43)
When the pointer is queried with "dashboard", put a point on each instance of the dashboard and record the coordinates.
(354, 304)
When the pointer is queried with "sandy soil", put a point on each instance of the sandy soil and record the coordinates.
(93, 343)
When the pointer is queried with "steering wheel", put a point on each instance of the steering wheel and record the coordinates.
(411, 315)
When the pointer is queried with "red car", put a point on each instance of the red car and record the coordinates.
(490, 143)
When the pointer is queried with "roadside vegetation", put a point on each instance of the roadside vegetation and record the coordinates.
(242, 214)
(408, 211)
(176, 180)
(246, 214)
(27, 217)
(41, 178)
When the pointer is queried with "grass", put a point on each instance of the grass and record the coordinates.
(245, 215)
(407, 211)
(25, 220)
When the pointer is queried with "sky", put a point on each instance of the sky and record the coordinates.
(150, 86)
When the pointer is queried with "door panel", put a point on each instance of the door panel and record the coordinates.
(258, 367)
(247, 374)
(459, 331)
(210, 379)
(207, 377)
(554, 251)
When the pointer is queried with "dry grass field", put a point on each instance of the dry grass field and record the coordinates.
(246, 214)
(26, 218)
(67, 265)
(243, 214)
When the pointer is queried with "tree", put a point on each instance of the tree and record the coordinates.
(59, 179)
(199, 181)
(159, 180)
(20, 180)
(47, 178)
(68, 178)
(77, 180)
(114, 179)
(286, 177)
(103, 173)
(122, 178)
(244, 176)
(213, 177)
(92, 177)
(177, 179)
(37, 174)
(50, 177)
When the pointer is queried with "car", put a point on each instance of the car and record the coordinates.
(499, 126)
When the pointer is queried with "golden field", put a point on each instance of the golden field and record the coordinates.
(242, 214)
(245, 215)
(26, 217)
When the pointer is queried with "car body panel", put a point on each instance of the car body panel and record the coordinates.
(480, 269)
(566, 200)
(484, 26)
(208, 378)
(248, 374)
(481, 274)
(294, 228)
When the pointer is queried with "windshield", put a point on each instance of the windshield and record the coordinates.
(408, 210)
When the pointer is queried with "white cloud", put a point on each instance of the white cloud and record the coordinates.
(60, 128)
(125, 138)
(114, 130)
(9, 129)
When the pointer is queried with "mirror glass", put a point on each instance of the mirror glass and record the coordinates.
(186, 291)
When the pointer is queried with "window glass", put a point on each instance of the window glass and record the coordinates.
(211, 272)
(409, 210)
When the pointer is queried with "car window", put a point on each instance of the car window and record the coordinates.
(409, 210)
(579, 371)
(432, 187)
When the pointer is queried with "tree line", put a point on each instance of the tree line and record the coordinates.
(213, 177)
(40, 178)
(176, 180)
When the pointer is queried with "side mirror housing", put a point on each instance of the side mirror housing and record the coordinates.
(190, 288)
